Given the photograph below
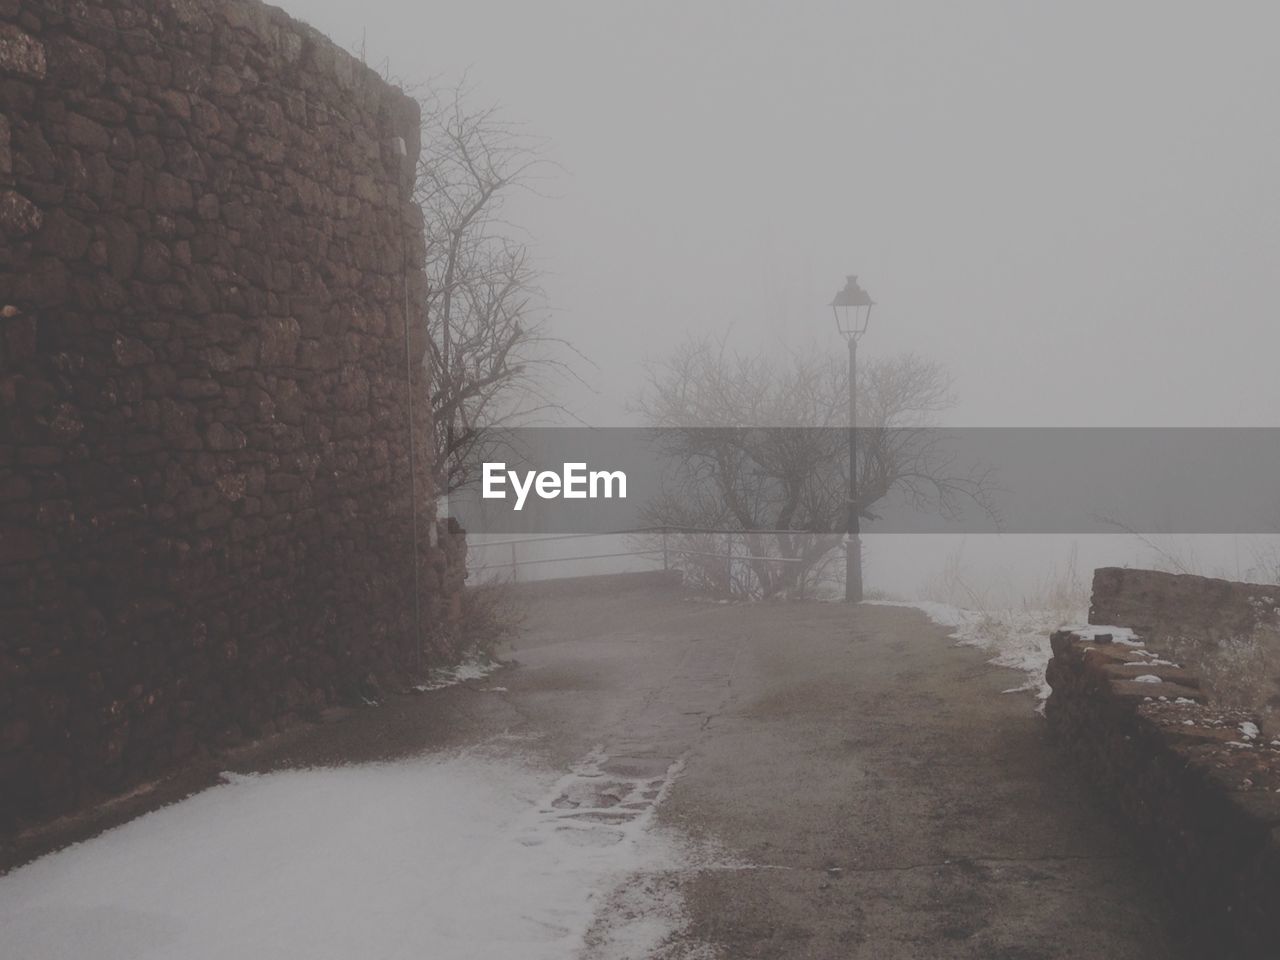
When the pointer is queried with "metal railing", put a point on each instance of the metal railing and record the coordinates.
(667, 549)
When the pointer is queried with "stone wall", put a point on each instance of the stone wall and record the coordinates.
(1200, 783)
(206, 521)
(1160, 604)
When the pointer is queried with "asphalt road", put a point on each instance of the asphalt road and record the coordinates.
(880, 794)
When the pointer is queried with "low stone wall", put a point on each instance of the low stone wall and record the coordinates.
(1158, 604)
(1201, 783)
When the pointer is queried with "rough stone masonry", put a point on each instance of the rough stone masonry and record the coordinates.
(1199, 782)
(206, 521)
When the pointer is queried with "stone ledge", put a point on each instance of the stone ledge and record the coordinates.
(1202, 783)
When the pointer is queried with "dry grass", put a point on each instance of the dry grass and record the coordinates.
(491, 612)
(1060, 594)
(1239, 671)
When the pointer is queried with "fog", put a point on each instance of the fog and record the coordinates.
(645, 501)
(1073, 206)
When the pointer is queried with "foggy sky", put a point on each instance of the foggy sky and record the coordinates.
(1074, 206)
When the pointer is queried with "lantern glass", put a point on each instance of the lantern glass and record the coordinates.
(852, 309)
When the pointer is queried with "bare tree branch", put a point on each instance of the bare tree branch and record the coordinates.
(759, 447)
(489, 354)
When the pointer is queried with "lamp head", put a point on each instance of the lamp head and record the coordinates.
(852, 308)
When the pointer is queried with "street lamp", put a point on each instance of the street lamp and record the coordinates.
(852, 310)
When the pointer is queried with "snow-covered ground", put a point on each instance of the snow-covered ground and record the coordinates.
(1018, 639)
(477, 855)
(465, 672)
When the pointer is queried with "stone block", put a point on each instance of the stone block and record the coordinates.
(21, 55)
(19, 217)
(63, 236)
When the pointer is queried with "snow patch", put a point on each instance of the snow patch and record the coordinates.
(472, 856)
(469, 670)
(1091, 631)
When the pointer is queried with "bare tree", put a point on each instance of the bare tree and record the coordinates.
(488, 350)
(759, 447)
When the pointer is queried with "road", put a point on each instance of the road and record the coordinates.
(839, 784)
(886, 799)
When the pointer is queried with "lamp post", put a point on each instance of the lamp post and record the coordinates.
(852, 309)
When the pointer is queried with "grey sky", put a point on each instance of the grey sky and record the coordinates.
(1072, 205)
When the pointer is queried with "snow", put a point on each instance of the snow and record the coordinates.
(1249, 730)
(1091, 631)
(462, 673)
(1148, 678)
(477, 855)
